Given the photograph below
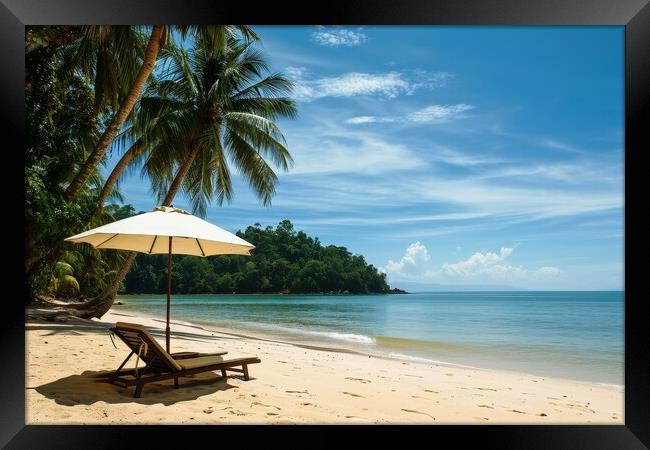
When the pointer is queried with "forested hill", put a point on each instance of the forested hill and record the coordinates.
(284, 260)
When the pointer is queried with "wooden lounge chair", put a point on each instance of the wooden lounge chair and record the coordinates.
(160, 365)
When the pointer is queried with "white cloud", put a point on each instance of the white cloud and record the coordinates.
(368, 119)
(392, 220)
(438, 113)
(352, 154)
(295, 72)
(454, 157)
(415, 258)
(389, 84)
(580, 172)
(401, 183)
(336, 37)
(477, 263)
(481, 268)
(433, 114)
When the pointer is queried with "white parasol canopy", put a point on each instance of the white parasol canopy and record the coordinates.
(150, 233)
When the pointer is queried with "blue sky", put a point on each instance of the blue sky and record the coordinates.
(451, 156)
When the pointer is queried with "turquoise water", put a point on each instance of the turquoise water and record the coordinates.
(578, 335)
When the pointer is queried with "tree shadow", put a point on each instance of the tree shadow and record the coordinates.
(80, 326)
(93, 386)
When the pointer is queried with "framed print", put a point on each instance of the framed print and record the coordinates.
(364, 214)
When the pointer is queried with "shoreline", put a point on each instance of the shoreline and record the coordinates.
(347, 346)
(294, 383)
(328, 294)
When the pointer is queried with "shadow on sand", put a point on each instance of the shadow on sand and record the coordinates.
(80, 326)
(93, 386)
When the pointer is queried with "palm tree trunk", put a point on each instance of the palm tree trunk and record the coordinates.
(117, 171)
(151, 54)
(180, 176)
(100, 305)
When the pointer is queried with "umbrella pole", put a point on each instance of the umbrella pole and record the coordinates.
(169, 289)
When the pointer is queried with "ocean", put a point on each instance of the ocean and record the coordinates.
(576, 335)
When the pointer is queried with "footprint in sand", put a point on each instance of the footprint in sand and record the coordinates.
(486, 389)
(208, 411)
(298, 392)
(271, 414)
(353, 394)
(418, 412)
(268, 406)
(516, 411)
(429, 390)
(363, 380)
(485, 406)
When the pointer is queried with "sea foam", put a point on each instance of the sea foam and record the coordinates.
(349, 337)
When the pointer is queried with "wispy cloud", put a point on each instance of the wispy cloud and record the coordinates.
(480, 267)
(368, 119)
(388, 84)
(337, 37)
(558, 145)
(354, 154)
(394, 220)
(454, 157)
(438, 113)
(581, 172)
(433, 114)
(415, 186)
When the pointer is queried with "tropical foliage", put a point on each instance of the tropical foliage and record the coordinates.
(284, 261)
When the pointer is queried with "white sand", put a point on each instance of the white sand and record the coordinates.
(292, 384)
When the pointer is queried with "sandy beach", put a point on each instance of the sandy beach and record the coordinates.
(293, 384)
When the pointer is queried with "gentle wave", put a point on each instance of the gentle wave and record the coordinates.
(427, 360)
(349, 337)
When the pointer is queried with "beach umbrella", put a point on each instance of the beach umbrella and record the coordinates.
(165, 230)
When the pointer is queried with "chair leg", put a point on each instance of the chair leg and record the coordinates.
(175, 382)
(245, 367)
(140, 384)
(138, 390)
(117, 372)
(223, 373)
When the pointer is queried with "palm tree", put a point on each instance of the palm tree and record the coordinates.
(107, 84)
(213, 106)
(109, 45)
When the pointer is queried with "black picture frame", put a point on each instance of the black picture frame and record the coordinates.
(633, 14)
